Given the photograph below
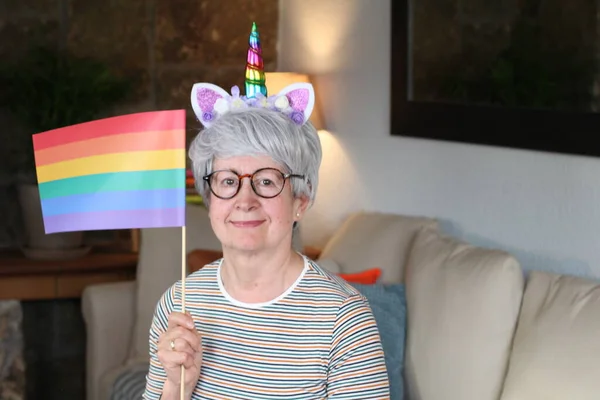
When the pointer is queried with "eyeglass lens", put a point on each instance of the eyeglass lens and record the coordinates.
(266, 183)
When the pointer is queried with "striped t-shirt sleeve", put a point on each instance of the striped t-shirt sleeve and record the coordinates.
(357, 367)
(156, 374)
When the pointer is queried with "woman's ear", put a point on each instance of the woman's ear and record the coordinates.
(301, 204)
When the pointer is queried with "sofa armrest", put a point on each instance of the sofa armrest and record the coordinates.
(109, 315)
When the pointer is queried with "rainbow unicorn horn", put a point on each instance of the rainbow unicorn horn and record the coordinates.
(210, 102)
(255, 74)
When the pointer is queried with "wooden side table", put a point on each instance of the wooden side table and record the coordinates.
(25, 279)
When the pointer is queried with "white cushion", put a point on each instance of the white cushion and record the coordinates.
(556, 352)
(159, 267)
(375, 240)
(463, 303)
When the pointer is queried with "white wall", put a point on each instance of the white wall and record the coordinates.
(544, 208)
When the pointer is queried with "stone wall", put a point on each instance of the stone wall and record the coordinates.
(167, 45)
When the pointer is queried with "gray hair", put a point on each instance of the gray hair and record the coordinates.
(259, 131)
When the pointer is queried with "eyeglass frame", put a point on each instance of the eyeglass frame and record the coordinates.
(207, 179)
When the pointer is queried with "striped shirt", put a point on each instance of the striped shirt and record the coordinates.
(318, 340)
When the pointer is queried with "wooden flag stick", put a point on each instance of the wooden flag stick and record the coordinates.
(183, 274)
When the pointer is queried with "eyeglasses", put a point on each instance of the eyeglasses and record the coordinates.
(266, 182)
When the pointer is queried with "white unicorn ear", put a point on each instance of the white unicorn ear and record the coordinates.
(204, 96)
(301, 98)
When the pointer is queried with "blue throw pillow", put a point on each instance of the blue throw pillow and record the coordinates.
(388, 302)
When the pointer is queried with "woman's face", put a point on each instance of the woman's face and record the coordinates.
(247, 221)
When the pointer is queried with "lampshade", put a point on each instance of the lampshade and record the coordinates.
(275, 81)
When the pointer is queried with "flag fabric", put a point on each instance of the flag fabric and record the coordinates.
(122, 172)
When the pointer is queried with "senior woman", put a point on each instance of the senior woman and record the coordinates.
(264, 321)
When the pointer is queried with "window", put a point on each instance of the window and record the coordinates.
(519, 74)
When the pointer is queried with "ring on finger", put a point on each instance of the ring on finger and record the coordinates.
(172, 344)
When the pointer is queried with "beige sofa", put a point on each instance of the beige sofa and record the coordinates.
(478, 328)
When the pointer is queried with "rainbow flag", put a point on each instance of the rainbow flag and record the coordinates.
(115, 173)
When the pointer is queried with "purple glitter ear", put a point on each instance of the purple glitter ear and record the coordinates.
(298, 99)
(204, 97)
(207, 98)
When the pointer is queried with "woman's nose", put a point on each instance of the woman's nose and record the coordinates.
(246, 198)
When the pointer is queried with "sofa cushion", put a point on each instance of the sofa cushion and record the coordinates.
(371, 239)
(388, 303)
(463, 303)
(556, 351)
(159, 267)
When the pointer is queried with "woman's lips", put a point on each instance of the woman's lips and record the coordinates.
(247, 224)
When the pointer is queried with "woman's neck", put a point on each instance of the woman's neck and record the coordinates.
(260, 276)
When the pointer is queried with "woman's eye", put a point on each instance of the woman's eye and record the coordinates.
(265, 182)
(228, 182)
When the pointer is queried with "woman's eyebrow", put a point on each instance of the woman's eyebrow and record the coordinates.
(227, 169)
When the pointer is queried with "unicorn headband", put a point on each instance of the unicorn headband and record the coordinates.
(210, 101)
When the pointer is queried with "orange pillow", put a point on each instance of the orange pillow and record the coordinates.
(367, 277)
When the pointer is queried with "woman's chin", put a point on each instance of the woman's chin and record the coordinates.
(247, 244)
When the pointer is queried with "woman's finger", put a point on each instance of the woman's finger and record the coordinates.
(192, 337)
(188, 361)
(182, 345)
(178, 319)
(175, 359)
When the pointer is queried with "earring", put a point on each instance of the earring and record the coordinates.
(298, 215)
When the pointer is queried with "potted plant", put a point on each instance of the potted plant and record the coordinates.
(50, 88)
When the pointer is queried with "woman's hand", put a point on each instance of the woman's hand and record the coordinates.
(180, 345)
